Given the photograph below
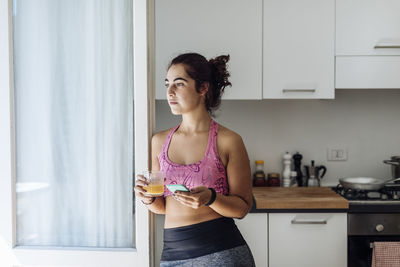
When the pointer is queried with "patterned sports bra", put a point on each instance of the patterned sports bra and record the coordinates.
(209, 171)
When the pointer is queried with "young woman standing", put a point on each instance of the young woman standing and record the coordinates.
(208, 159)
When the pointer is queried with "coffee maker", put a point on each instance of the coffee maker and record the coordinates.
(313, 174)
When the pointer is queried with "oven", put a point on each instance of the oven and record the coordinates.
(373, 216)
(363, 229)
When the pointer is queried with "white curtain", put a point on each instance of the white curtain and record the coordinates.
(74, 122)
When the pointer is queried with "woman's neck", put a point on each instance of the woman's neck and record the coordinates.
(192, 123)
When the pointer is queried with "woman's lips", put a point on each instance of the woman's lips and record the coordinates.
(173, 102)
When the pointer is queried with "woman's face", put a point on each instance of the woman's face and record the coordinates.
(181, 91)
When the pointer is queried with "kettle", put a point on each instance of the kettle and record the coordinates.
(313, 174)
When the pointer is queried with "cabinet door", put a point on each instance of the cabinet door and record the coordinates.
(298, 55)
(367, 72)
(367, 27)
(254, 228)
(212, 28)
(308, 239)
(367, 44)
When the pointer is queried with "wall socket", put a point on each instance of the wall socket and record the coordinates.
(337, 154)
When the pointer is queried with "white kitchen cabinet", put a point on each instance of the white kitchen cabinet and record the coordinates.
(362, 26)
(367, 72)
(212, 28)
(254, 228)
(367, 44)
(298, 49)
(307, 239)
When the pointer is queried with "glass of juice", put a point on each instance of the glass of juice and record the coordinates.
(155, 180)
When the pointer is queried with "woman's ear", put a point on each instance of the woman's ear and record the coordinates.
(204, 88)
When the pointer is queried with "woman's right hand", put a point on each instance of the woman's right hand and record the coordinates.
(140, 191)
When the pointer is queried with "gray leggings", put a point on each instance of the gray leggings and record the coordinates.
(235, 257)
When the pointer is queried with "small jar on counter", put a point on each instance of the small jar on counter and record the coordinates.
(273, 179)
(259, 175)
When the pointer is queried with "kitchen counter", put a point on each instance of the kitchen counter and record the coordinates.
(297, 199)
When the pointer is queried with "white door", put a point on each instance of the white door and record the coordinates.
(74, 126)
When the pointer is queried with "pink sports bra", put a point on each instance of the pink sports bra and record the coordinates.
(209, 171)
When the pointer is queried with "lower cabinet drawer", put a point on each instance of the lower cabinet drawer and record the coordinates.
(307, 239)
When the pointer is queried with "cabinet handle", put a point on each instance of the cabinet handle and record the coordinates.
(298, 90)
(386, 46)
(387, 43)
(311, 221)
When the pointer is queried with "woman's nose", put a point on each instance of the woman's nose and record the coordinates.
(170, 90)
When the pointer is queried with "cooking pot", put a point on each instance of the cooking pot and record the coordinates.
(395, 162)
(363, 183)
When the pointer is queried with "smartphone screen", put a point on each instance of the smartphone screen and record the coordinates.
(177, 187)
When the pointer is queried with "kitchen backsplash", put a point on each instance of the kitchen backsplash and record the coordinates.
(365, 122)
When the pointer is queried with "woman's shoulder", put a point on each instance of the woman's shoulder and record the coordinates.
(228, 137)
(158, 139)
(231, 146)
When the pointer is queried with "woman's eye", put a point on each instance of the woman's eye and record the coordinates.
(166, 85)
(179, 84)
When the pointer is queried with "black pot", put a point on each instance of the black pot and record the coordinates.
(395, 162)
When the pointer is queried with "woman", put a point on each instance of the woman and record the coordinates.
(208, 159)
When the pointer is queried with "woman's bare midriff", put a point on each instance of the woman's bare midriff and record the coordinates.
(178, 215)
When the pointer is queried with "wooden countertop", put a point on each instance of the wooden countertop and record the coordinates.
(298, 198)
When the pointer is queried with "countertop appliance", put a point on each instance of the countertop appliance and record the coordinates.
(313, 174)
(373, 216)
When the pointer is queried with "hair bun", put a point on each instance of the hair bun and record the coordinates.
(220, 72)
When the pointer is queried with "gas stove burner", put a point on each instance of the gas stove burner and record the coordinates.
(384, 194)
(355, 194)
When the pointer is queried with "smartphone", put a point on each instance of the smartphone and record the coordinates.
(177, 187)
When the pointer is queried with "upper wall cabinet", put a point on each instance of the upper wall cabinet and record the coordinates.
(299, 49)
(367, 27)
(367, 44)
(212, 28)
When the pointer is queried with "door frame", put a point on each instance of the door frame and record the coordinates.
(12, 255)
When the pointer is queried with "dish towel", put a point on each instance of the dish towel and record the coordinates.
(386, 254)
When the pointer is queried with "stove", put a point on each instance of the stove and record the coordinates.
(373, 216)
(385, 200)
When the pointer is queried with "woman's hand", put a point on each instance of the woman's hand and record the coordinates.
(140, 191)
(196, 198)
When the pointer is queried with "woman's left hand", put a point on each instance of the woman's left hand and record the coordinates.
(196, 198)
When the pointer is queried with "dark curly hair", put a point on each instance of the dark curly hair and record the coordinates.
(201, 70)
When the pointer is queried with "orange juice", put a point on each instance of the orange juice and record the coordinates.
(154, 189)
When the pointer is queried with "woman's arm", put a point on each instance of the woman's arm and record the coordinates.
(158, 205)
(239, 201)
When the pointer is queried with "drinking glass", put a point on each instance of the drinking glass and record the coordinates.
(155, 180)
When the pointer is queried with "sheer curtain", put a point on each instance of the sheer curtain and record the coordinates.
(74, 122)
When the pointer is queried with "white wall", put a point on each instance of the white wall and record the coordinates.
(367, 122)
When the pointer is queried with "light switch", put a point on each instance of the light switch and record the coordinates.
(337, 154)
